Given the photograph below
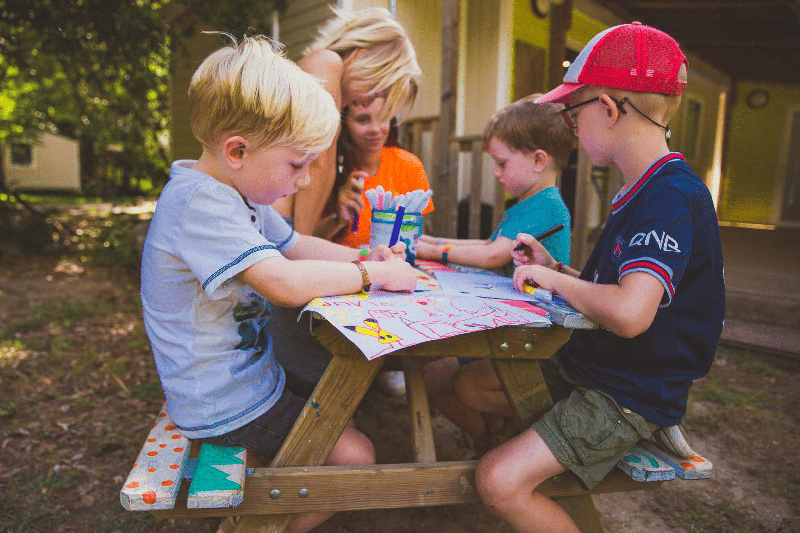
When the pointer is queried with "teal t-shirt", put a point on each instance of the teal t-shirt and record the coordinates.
(536, 214)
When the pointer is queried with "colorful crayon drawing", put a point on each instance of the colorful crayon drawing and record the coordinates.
(392, 321)
(374, 330)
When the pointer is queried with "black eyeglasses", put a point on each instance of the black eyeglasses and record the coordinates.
(571, 117)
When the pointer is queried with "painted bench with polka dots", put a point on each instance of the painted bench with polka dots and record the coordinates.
(217, 474)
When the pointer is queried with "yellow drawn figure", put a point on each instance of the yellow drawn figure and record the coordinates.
(374, 330)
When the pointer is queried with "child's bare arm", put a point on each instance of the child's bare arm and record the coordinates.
(482, 254)
(430, 239)
(627, 309)
(294, 283)
(309, 247)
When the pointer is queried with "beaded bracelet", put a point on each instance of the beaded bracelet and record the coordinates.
(362, 255)
(445, 252)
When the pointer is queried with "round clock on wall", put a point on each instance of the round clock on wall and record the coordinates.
(541, 8)
(757, 98)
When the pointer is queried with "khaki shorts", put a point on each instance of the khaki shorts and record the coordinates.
(587, 431)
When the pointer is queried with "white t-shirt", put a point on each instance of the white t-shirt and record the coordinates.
(208, 330)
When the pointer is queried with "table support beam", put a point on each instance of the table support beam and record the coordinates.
(394, 486)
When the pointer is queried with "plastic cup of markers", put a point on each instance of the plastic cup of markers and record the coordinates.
(381, 227)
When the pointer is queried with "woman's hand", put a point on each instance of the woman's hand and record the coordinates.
(531, 253)
(384, 253)
(349, 197)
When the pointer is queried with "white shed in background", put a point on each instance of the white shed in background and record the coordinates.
(44, 162)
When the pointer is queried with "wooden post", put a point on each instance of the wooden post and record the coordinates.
(445, 166)
(560, 22)
(580, 223)
(475, 190)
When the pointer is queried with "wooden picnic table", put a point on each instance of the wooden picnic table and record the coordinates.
(295, 481)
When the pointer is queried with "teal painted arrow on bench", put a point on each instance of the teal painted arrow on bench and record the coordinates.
(218, 477)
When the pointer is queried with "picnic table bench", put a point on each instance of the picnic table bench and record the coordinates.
(296, 482)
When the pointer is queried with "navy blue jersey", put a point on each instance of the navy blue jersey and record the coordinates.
(665, 225)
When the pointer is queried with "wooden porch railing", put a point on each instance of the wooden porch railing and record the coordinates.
(417, 136)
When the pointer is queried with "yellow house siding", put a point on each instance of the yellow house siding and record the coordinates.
(299, 23)
(481, 66)
(422, 21)
(754, 144)
(584, 28)
(536, 31)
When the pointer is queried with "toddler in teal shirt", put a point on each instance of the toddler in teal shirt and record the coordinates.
(530, 145)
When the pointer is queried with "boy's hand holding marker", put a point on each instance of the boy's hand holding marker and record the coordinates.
(537, 269)
(529, 251)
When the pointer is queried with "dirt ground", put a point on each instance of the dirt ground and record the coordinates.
(79, 391)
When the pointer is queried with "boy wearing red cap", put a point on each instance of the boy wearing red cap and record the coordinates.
(654, 282)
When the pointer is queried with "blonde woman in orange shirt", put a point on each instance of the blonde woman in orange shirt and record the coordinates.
(368, 157)
(359, 55)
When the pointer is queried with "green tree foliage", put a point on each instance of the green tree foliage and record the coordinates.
(98, 71)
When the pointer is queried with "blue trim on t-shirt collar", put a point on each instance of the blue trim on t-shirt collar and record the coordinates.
(623, 197)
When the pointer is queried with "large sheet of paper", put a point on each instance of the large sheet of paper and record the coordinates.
(381, 322)
(483, 285)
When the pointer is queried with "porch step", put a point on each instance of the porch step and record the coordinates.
(762, 308)
(779, 340)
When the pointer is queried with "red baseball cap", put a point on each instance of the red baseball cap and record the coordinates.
(632, 57)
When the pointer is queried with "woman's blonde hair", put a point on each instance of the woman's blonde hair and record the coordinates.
(250, 89)
(377, 52)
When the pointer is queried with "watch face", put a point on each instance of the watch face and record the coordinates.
(541, 8)
(757, 98)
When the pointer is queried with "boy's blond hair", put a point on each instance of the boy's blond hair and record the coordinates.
(376, 51)
(659, 107)
(525, 126)
(250, 89)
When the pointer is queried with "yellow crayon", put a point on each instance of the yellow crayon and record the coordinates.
(543, 295)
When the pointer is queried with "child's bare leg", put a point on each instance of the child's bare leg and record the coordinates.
(439, 379)
(506, 480)
(352, 448)
(478, 387)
